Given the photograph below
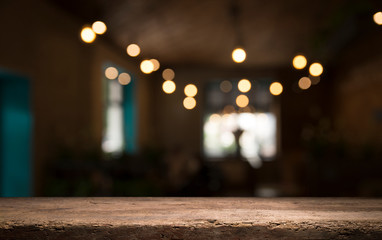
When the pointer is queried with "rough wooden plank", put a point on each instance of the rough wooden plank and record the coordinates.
(190, 218)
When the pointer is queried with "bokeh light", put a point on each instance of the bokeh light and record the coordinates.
(111, 73)
(244, 85)
(190, 90)
(304, 83)
(168, 86)
(229, 109)
(133, 50)
(155, 63)
(276, 88)
(88, 35)
(299, 62)
(315, 80)
(215, 117)
(189, 102)
(242, 101)
(226, 86)
(99, 27)
(168, 74)
(147, 66)
(378, 18)
(124, 78)
(238, 55)
(316, 69)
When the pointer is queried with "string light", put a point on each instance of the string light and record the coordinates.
(242, 101)
(88, 35)
(238, 55)
(189, 103)
(378, 18)
(133, 50)
(124, 78)
(190, 90)
(111, 73)
(168, 86)
(155, 63)
(299, 62)
(316, 69)
(168, 74)
(147, 66)
(226, 86)
(99, 27)
(276, 88)
(304, 83)
(244, 85)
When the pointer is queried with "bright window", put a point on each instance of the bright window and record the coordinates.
(232, 131)
(120, 111)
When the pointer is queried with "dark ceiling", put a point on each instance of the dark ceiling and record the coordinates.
(203, 32)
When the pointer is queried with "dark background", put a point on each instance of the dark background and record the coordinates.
(329, 136)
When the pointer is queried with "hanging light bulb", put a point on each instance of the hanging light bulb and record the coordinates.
(238, 55)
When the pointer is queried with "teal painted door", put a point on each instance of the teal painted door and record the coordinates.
(15, 136)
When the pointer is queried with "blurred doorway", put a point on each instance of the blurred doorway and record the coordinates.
(15, 136)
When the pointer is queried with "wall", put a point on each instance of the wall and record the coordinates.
(42, 42)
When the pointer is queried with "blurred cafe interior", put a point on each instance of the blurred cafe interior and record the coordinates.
(228, 98)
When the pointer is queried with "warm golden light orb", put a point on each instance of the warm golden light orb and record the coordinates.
(111, 73)
(242, 101)
(155, 63)
(168, 86)
(190, 90)
(244, 85)
(189, 102)
(238, 55)
(147, 66)
(133, 50)
(124, 78)
(99, 27)
(225, 86)
(378, 18)
(88, 35)
(229, 109)
(304, 83)
(299, 62)
(168, 74)
(276, 88)
(316, 69)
